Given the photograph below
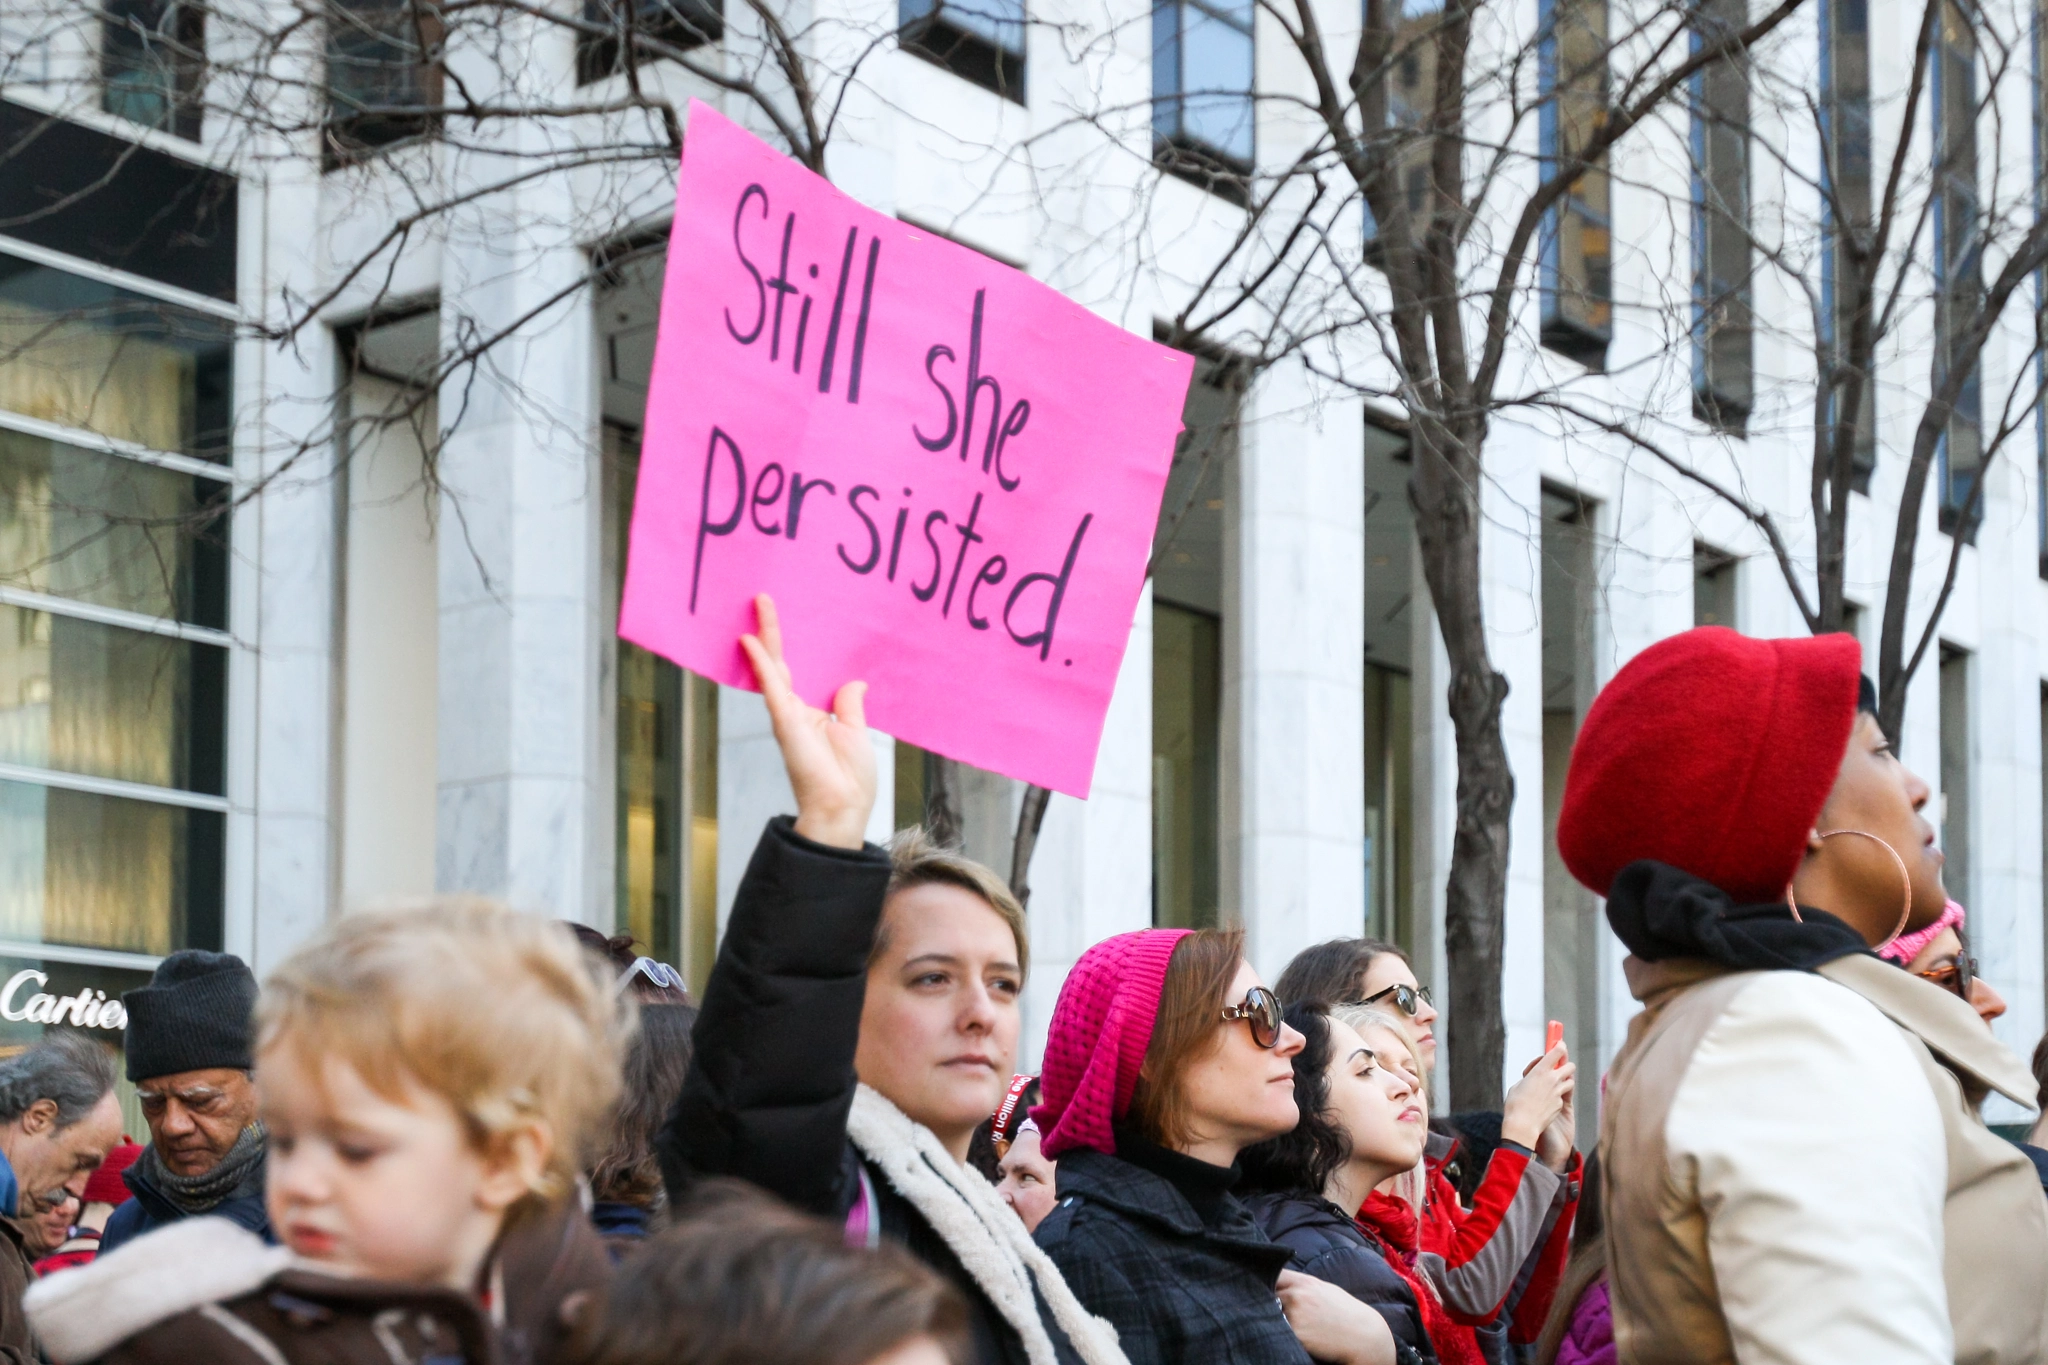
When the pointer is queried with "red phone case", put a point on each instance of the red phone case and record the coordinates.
(1553, 1035)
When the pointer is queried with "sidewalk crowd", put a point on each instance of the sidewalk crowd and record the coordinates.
(452, 1133)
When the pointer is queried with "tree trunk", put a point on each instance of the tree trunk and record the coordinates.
(942, 820)
(1030, 819)
(1447, 528)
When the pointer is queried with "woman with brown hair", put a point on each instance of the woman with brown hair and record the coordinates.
(1166, 1057)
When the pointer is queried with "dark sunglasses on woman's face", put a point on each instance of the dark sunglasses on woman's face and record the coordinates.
(1405, 998)
(1956, 973)
(1261, 1009)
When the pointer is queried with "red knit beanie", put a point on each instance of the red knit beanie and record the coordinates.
(1096, 1043)
(1712, 752)
(104, 1185)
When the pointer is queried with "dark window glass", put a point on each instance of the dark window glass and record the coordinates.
(1202, 104)
(114, 203)
(1578, 307)
(1959, 264)
(980, 40)
(106, 872)
(383, 75)
(1724, 381)
(112, 532)
(153, 63)
(679, 24)
(100, 701)
(1845, 114)
(107, 360)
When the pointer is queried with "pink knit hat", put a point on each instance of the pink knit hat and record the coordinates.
(1906, 947)
(1100, 1030)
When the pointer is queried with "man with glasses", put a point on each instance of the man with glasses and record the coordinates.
(58, 1120)
(190, 1059)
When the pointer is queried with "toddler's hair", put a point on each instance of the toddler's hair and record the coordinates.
(500, 1013)
(743, 1279)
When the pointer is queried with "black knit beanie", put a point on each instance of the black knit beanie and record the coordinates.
(193, 1015)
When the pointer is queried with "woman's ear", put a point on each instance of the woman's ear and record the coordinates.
(515, 1165)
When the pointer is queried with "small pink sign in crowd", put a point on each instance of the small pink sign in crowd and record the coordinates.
(945, 473)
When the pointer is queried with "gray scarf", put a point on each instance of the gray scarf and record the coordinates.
(239, 1172)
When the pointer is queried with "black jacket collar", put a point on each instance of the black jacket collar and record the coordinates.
(1152, 1199)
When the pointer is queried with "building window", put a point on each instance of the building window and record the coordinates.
(1723, 374)
(153, 63)
(1713, 587)
(1578, 307)
(113, 616)
(665, 744)
(81, 352)
(1958, 259)
(1956, 752)
(678, 24)
(383, 75)
(978, 40)
(2040, 46)
(1846, 204)
(1411, 95)
(1202, 103)
(1189, 606)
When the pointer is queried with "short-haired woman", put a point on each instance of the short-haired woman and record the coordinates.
(1166, 1058)
(860, 1021)
(1363, 1121)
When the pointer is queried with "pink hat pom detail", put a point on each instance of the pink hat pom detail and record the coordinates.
(1906, 947)
(1096, 1043)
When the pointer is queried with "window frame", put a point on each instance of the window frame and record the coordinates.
(1572, 337)
(1957, 280)
(183, 92)
(1835, 107)
(348, 138)
(1713, 402)
(215, 808)
(1220, 171)
(925, 30)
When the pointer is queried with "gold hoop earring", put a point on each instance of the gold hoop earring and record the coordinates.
(1905, 909)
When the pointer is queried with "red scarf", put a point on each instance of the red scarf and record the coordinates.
(1393, 1224)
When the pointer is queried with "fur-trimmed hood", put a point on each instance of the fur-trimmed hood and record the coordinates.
(83, 1313)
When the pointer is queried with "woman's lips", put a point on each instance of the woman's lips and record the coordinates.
(1412, 1114)
(972, 1060)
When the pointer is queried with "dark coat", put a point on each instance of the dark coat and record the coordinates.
(1330, 1246)
(771, 1077)
(1176, 1288)
(550, 1263)
(151, 1209)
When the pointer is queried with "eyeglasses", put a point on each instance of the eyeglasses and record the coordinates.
(204, 1101)
(1405, 998)
(1261, 1009)
(661, 974)
(1957, 973)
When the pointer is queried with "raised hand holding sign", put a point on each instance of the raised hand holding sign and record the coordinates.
(945, 473)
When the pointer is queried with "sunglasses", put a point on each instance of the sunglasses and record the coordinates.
(1407, 999)
(1261, 1009)
(1958, 974)
(661, 974)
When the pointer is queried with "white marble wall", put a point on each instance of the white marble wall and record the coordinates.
(1294, 671)
(280, 845)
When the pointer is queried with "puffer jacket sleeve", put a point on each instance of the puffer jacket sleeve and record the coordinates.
(771, 1079)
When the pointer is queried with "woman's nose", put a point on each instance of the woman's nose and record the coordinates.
(1988, 1003)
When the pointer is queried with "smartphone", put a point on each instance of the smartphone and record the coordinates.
(1553, 1035)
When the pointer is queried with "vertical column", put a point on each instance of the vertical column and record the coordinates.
(1294, 670)
(524, 800)
(1511, 501)
(2005, 916)
(280, 836)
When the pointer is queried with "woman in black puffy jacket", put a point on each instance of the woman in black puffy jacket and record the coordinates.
(1362, 1122)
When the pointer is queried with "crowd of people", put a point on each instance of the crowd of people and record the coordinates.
(456, 1133)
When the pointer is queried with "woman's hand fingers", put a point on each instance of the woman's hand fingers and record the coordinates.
(828, 757)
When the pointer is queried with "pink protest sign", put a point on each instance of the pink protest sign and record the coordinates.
(946, 473)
